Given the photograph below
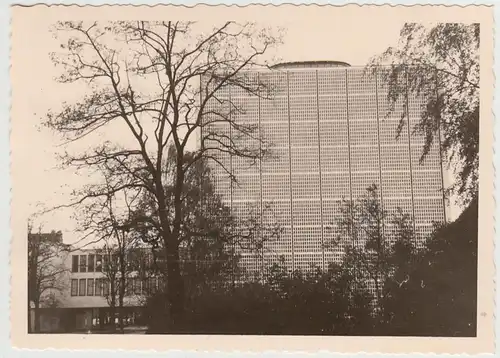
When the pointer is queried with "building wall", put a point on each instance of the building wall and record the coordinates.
(331, 140)
(87, 294)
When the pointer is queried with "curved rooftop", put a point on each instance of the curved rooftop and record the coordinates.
(309, 64)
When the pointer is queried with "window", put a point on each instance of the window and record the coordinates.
(129, 288)
(114, 260)
(91, 263)
(83, 263)
(161, 285)
(74, 266)
(153, 284)
(146, 286)
(82, 287)
(98, 263)
(90, 287)
(137, 286)
(74, 284)
(105, 262)
(98, 287)
(105, 287)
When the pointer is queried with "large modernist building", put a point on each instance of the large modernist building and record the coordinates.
(331, 139)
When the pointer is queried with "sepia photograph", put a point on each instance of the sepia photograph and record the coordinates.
(222, 173)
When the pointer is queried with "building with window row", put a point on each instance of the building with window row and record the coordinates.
(332, 136)
(88, 288)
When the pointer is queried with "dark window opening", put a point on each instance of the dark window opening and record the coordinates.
(83, 286)
(105, 263)
(91, 263)
(152, 285)
(83, 263)
(98, 286)
(74, 286)
(105, 287)
(98, 263)
(129, 289)
(74, 265)
(137, 286)
(90, 287)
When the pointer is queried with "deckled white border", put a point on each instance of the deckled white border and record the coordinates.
(5, 344)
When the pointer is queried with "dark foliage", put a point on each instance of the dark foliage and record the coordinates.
(291, 304)
(439, 297)
(427, 292)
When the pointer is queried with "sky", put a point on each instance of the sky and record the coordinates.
(33, 148)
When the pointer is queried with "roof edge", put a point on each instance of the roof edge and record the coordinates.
(312, 64)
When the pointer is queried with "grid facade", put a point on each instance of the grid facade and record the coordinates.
(331, 139)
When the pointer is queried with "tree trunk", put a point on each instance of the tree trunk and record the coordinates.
(121, 293)
(120, 318)
(175, 289)
(101, 318)
(175, 283)
(120, 307)
(113, 314)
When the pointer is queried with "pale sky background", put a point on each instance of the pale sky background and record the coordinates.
(33, 150)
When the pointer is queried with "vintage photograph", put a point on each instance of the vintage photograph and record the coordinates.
(237, 176)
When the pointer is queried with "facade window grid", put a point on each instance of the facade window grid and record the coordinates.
(334, 146)
(345, 100)
(262, 219)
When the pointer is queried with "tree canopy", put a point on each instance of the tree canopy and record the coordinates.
(159, 83)
(440, 64)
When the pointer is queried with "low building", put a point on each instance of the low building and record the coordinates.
(90, 284)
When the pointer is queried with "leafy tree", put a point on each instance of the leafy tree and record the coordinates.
(144, 77)
(439, 296)
(452, 285)
(352, 296)
(400, 287)
(364, 237)
(298, 303)
(319, 302)
(46, 271)
(440, 64)
(382, 249)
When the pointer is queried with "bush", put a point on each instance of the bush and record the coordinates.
(294, 305)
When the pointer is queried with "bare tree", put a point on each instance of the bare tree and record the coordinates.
(109, 221)
(122, 262)
(146, 77)
(45, 270)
